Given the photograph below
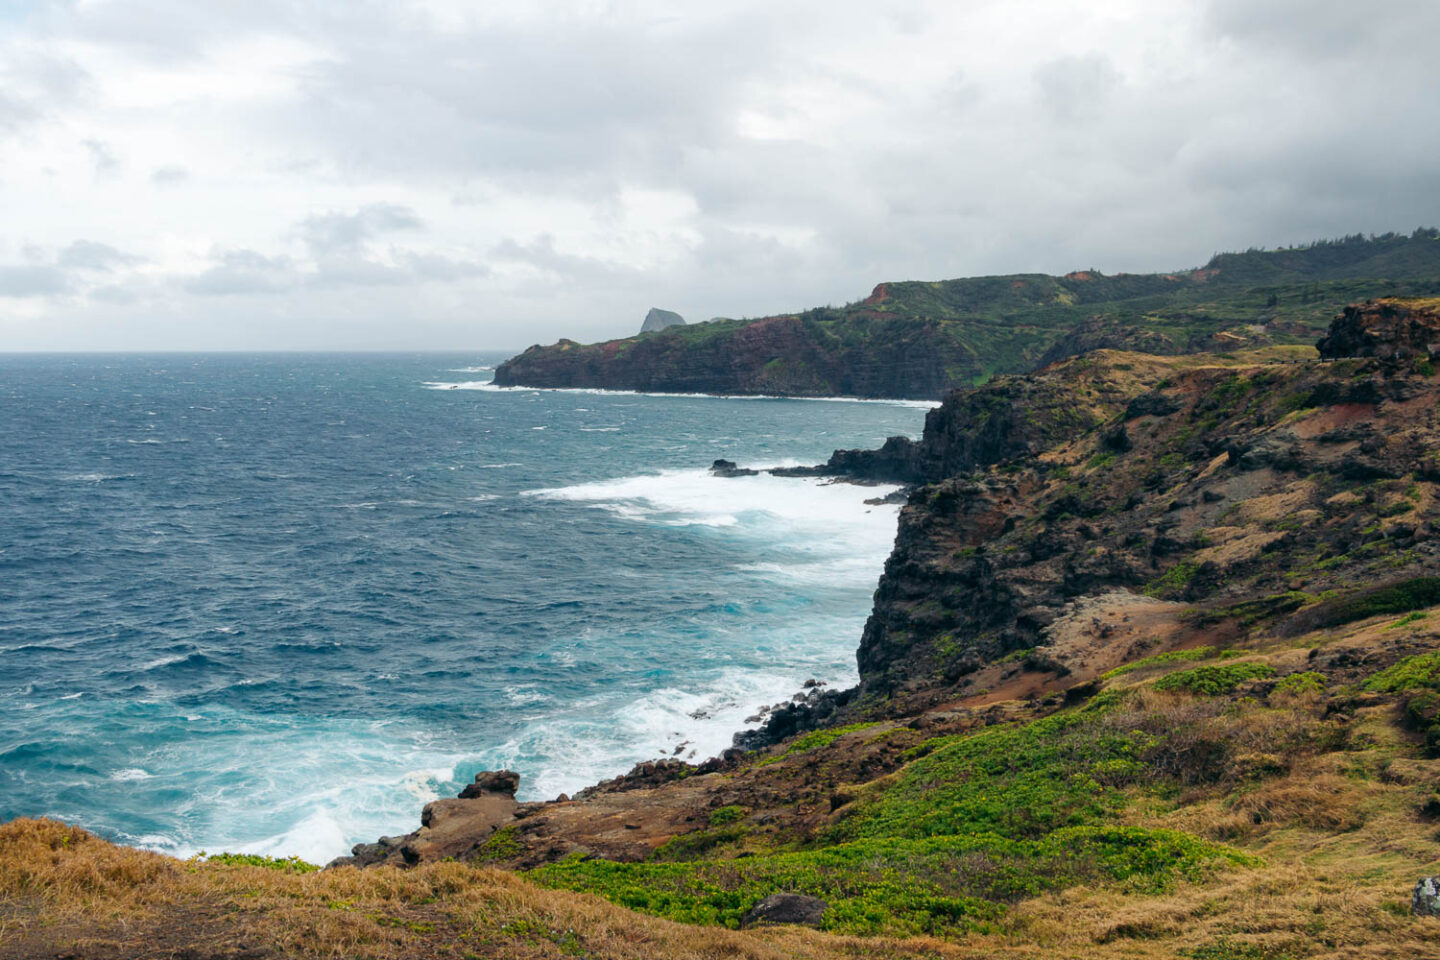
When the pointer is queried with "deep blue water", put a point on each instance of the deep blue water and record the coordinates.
(275, 603)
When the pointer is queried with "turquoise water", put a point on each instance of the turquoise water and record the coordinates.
(276, 603)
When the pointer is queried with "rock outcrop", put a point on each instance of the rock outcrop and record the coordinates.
(1387, 329)
(658, 319)
(1105, 333)
(1425, 901)
(786, 908)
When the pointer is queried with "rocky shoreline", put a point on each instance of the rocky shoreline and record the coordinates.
(1059, 530)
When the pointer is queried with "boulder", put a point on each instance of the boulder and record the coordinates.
(786, 908)
(729, 468)
(658, 319)
(501, 782)
(1426, 900)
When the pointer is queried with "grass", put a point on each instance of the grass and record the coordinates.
(283, 864)
(816, 739)
(1172, 656)
(1417, 679)
(1212, 681)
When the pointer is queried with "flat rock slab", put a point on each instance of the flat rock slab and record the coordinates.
(793, 908)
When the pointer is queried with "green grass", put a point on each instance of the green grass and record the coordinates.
(282, 864)
(816, 739)
(1413, 673)
(1404, 597)
(1298, 683)
(1212, 681)
(1174, 580)
(1173, 656)
(937, 885)
(974, 823)
(723, 815)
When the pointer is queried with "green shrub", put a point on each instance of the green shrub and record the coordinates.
(1298, 683)
(283, 864)
(1214, 681)
(938, 885)
(723, 815)
(1412, 673)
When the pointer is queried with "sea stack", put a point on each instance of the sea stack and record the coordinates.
(658, 319)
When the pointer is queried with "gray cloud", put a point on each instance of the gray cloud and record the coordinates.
(1076, 87)
(169, 176)
(344, 233)
(37, 280)
(552, 170)
(102, 157)
(242, 272)
(89, 255)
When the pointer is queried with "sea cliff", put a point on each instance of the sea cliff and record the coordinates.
(920, 339)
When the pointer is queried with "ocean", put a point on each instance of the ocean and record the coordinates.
(276, 603)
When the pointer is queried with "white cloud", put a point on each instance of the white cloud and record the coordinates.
(439, 173)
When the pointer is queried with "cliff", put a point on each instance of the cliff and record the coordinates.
(919, 340)
(1153, 671)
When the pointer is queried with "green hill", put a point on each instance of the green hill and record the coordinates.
(919, 339)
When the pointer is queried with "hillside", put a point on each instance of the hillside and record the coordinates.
(1153, 672)
(919, 339)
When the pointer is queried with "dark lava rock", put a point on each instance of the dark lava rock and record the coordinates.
(503, 782)
(786, 908)
(1152, 404)
(729, 468)
(1386, 329)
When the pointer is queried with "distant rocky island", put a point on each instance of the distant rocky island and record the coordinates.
(658, 319)
(918, 340)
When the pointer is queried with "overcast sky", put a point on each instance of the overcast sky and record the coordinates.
(281, 174)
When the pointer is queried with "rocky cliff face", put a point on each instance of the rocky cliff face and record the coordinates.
(1212, 485)
(1389, 329)
(784, 356)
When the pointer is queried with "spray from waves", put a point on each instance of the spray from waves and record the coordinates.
(602, 738)
(819, 522)
(487, 385)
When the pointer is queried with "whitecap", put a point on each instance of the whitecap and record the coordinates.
(130, 773)
(830, 520)
(490, 386)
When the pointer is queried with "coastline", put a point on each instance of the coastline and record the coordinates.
(490, 385)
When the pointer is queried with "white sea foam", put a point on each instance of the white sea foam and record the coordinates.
(808, 514)
(479, 368)
(490, 386)
(130, 773)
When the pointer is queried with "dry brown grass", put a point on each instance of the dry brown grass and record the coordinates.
(66, 892)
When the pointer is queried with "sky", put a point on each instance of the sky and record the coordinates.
(432, 174)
